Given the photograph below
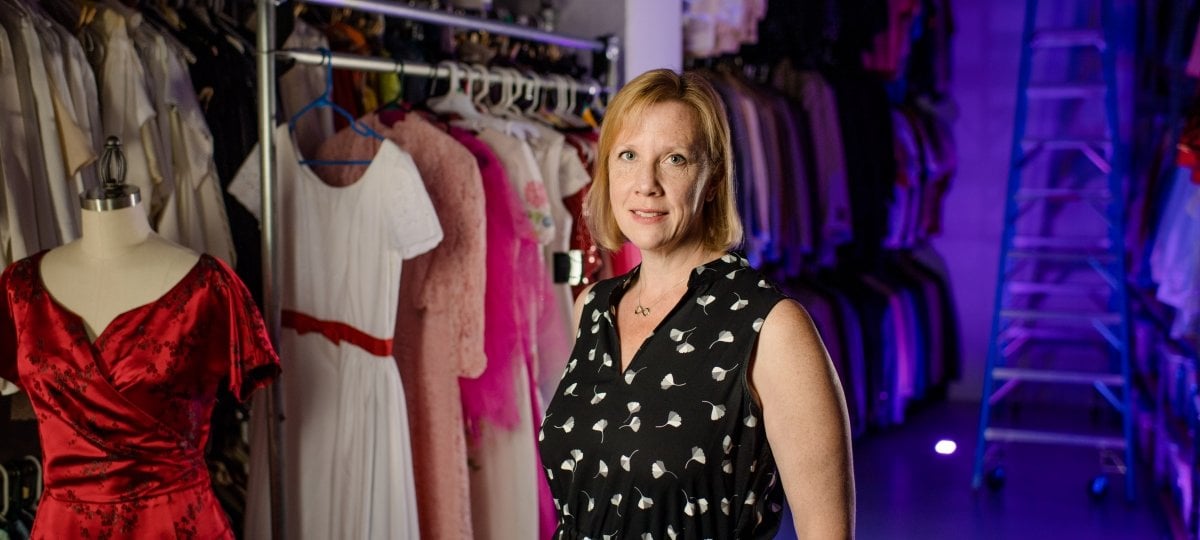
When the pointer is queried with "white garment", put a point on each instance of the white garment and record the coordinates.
(81, 85)
(302, 84)
(126, 107)
(74, 142)
(18, 233)
(194, 212)
(347, 451)
(504, 475)
(44, 158)
(1175, 258)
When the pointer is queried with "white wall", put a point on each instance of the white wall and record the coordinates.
(651, 31)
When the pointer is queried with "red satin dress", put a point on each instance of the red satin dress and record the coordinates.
(124, 420)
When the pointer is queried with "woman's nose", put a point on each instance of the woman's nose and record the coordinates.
(647, 182)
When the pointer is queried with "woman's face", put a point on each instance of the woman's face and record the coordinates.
(657, 174)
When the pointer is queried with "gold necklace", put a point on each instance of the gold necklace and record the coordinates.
(645, 310)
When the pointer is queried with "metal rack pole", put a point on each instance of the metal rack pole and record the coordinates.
(387, 65)
(396, 9)
(271, 270)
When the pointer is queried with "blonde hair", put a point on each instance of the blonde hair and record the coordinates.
(720, 224)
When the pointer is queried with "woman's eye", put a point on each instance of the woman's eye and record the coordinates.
(626, 155)
(676, 159)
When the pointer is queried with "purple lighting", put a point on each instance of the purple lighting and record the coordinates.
(945, 447)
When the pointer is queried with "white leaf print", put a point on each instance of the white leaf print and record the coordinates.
(739, 305)
(570, 391)
(550, 473)
(753, 464)
(578, 332)
(703, 504)
(607, 360)
(751, 421)
(635, 424)
(630, 374)
(757, 324)
(591, 504)
(597, 397)
(671, 532)
(727, 444)
(599, 426)
(590, 296)
(697, 456)
(568, 425)
(646, 536)
(557, 504)
(725, 506)
(689, 508)
(659, 468)
(541, 435)
(669, 381)
(732, 274)
(567, 509)
(577, 454)
(718, 373)
(717, 412)
(571, 365)
(724, 337)
(673, 420)
(763, 283)
(645, 502)
(603, 470)
(727, 466)
(704, 301)
(616, 499)
(591, 355)
(684, 348)
(750, 498)
(625, 460)
(676, 334)
(595, 315)
(633, 407)
(595, 328)
(728, 257)
(568, 465)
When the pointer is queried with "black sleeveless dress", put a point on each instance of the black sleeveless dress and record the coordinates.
(674, 447)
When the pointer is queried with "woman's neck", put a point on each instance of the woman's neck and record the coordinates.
(662, 271)
(112, 233)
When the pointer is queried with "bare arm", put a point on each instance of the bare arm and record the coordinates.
(804, 413)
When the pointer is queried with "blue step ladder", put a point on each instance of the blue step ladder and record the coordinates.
(1062, 274)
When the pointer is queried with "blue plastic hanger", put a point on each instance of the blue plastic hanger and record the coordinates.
(324, 100)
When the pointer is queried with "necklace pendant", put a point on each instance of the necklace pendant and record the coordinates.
(641, 310)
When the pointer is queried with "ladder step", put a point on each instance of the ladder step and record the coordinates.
(1068, 37)
(1105, 317)
(1051, 376)
(1051, 437)
(1031, 287)
(1067, 144)
(1063, 256)
(1061, 242)
(1099, 195)
(1065, 91)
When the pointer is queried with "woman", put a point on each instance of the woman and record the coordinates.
(694, 386)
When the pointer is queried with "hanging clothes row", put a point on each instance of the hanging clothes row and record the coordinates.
(123, 74)
(421, 232)
(888, 318)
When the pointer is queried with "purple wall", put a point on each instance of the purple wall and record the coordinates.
(986, 56)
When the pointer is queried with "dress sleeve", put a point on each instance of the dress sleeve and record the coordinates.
(8, 341)
(253, 362)
(416, 226)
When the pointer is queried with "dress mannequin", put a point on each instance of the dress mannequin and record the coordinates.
(118, 263)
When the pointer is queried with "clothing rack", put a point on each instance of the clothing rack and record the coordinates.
(609, 47)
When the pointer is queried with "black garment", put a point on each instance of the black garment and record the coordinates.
(674, 446)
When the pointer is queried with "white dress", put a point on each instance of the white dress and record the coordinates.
(346, 449)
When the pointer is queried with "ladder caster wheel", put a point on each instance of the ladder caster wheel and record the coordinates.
(1098, 487)
(995, 478)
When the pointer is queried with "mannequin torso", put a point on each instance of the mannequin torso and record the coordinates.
(117, 265)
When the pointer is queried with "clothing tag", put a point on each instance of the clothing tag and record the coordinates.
(568, 267)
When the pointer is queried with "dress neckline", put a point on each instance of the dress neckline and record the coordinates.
(63, 309)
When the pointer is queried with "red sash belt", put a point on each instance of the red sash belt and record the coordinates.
(336, 332)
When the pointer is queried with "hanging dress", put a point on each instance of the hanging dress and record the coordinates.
(124, 420)
(346, 448)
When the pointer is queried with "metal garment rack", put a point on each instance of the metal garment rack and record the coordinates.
(265, 60)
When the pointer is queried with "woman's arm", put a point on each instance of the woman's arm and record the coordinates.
(804, 413)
